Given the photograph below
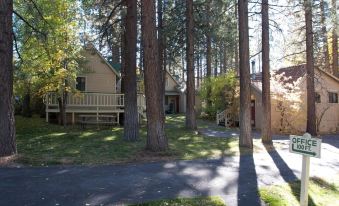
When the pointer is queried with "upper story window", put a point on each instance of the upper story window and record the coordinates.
(332, 97)
(81, 84)
(166, 82)
(317, 98)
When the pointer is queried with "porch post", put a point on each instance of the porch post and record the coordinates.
(73, 118)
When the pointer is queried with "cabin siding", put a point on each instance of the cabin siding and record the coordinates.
(99, 76)
(290, 117)
(171, 85)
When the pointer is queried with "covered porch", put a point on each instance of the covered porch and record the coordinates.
(86, 103)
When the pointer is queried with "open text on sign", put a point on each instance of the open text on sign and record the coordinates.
(305, 145)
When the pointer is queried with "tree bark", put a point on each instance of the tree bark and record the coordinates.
(198, 70)
(131, 125)
(335, 68)
(324, 38)
(161, 50)
(123, 50)
(7, 121)
(208, 53)
(224, 64)
(245, 139)
(236, 44)
(156, 139)
(62, 101)
(190, 95)
(266, 91)
(311, 116)
(26, 104)
(215, 60)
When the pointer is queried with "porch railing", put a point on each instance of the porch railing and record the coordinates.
(92, 99)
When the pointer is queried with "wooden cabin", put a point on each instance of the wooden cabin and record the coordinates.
(97, 96)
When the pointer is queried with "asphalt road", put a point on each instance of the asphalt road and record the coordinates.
(236, 179)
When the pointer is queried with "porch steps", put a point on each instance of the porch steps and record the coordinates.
(224, 118)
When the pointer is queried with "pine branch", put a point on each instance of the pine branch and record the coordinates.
(106, 24)
(16, 47)
(39, 12)
(28, 24)
(295, 53)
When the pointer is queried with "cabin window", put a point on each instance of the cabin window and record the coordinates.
(332, 97)
(81, 84)
(166, 81)
(317, 98)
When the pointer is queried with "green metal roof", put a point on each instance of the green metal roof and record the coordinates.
(116, 66)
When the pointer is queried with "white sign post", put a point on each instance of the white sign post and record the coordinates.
(308, 147)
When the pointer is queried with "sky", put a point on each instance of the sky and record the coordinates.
(279, 33)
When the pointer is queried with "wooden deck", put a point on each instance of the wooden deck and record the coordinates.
(91, 103)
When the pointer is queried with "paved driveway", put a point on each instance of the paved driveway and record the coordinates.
(236, 179)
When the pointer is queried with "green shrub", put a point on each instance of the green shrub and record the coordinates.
(221, 92)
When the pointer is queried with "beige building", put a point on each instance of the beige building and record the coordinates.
(97, 98)
(175, 96)
(98, 75)
(289, 101)
(98, 92)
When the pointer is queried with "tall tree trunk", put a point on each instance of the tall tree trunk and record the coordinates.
(311, 116)
(224, 59)
(335, 68)
(244, 68)
(190, 95)
(236, 43)
(156, 139)
(7, 121)
(324, 37)
(183, 65)
(215, 60)
(266, 91)
(161, 50)
(198, 70)
(116, 45)
(123, 50)
(62, 101)
(26, 104)
(64, 105)
(131, 126)
(208, 53)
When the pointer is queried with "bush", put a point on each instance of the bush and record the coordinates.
(221, 92)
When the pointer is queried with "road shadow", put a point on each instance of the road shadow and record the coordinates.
(248, 193)
(331, 139)
(286, 172)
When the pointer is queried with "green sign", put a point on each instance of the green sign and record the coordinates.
(305, 145)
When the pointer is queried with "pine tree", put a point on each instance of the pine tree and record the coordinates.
(131, 126)
(266, 92)
(311, 116)
(156, 138)
(7, 122)
(244, 68)
(190, 106)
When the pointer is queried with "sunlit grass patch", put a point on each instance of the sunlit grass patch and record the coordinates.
(197, 201)
(321, 193)
(40, 143)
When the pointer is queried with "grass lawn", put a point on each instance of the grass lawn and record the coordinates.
(321, 193)
(40, 143)
(198, 201)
